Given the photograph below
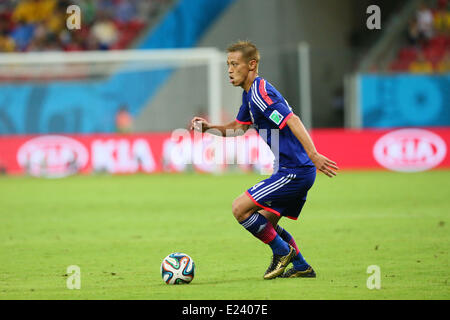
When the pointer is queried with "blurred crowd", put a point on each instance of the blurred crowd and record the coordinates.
(427, 48)
(40, 25)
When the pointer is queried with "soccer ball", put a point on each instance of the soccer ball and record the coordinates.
(177, 268)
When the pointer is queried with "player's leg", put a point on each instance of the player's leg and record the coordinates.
(298, 261)
(288, 200)
(286, 236)
(300, 267)
(245, 212)
(272, 217)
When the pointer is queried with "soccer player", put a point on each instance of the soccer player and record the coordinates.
(283, 194)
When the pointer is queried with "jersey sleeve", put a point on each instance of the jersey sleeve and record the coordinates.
(243, 116)
(274, 107)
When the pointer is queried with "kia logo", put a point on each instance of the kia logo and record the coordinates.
(52, 156)
(410, 150)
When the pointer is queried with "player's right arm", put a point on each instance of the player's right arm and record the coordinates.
(231, 129)
(321, 162)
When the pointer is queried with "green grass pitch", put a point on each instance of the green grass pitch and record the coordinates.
(117, 229)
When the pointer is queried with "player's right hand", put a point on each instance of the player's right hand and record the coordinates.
(325, 165)
(199, 124)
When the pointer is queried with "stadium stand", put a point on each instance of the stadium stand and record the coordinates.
(39, 25)
(427, 41)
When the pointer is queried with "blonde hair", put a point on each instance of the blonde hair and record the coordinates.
(247, 48)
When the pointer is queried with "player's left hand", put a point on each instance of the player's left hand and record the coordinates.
(199, 124)
(325, 165)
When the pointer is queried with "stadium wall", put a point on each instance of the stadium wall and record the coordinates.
(403, 100)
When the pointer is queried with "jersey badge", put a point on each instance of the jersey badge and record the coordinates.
(276, 117)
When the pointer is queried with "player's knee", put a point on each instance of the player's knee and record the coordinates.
(235, 208)
(238, 210)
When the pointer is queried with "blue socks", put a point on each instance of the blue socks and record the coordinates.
(279, 246)
(299, 262)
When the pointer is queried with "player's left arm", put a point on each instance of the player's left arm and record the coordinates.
(321, 162)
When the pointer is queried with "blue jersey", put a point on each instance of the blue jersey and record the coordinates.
(266, 109)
